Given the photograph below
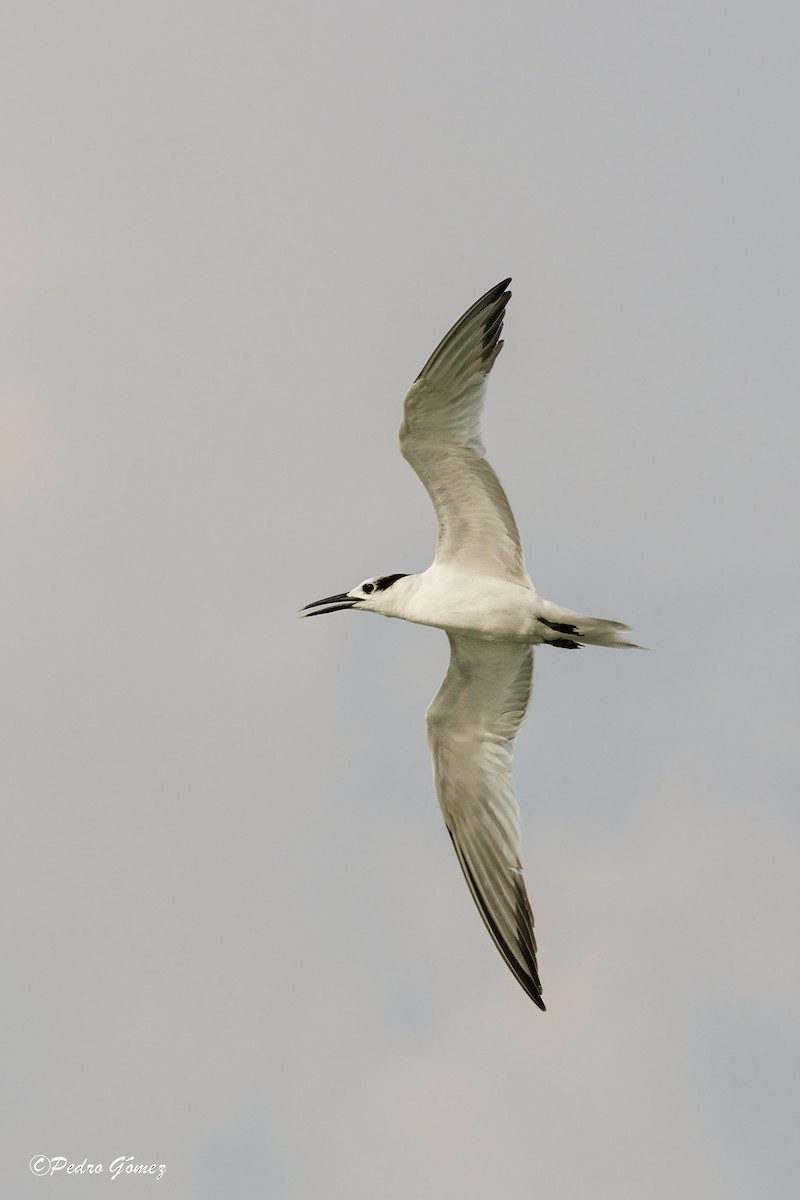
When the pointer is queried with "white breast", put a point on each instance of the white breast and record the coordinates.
(459, 603)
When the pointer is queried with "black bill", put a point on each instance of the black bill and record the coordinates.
(334, 604)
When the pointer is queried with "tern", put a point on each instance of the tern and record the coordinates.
(480, 593)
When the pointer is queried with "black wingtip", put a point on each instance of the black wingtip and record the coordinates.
(489, 309)
(523, 965)
(495, 293)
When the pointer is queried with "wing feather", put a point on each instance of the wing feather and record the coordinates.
(472, 723)
(441, 438)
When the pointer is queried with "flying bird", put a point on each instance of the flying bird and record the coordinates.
(478, 591)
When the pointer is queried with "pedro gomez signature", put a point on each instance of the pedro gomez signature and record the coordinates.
(40, 1164)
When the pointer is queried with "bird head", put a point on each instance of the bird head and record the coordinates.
(370, 595)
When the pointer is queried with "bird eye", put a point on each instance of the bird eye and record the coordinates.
(368, 587)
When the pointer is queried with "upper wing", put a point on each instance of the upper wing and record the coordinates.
(472, 723)
(441, 438)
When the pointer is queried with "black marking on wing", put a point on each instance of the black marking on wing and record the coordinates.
(493, 328)
(494, 301)
(386, 581)
(564, 644)
(524, 971)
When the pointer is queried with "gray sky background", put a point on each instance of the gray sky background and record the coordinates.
(236, 940)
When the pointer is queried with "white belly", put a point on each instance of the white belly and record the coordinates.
(477, 604)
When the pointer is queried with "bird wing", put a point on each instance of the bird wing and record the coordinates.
(441, 438)
(472, 723)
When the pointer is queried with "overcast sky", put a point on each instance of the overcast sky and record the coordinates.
(236, 939)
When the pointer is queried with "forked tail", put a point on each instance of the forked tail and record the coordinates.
(571, 630)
